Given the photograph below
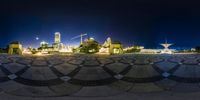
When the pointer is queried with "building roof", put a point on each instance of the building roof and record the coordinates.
(15, 42)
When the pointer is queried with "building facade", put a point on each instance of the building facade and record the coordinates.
(57, 38)
(15, 48)
(111, 47)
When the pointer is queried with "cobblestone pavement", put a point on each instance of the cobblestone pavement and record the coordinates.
(98, 76)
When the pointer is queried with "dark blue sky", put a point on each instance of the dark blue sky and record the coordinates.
(142, 22)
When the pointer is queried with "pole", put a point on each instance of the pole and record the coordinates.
(81, 39)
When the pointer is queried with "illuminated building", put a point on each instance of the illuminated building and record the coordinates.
(44, 44)
(166, 49)
(150, 51)
(44, 47)
(57, 38)
(57, 45)
(106, 46)
(66, 49)
(15, 48)
(116, 48)
(133, 49)
(89, 45)
(111, 47)
(26, 51)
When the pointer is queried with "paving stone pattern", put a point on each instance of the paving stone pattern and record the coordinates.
(95, 75)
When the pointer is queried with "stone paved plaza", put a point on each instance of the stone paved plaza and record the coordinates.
(99, 77)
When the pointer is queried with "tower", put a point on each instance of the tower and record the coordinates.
(57, 45)
(57, 38)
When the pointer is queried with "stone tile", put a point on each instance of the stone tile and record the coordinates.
(65, 68)
(91, 63)
(1, 90)
(185, 71)
(97, 91)
(186, 88)
(190, 61)
(166, 84)
(121, 85)
(102, 74)
(91, 73)
(33, 91)
(142, 71)
(25, 61)
(105, 60)
(141, 61)
(197, 71)
(14, 58)
(128, 60)
(176, 59)
(39, 63)
(14, 67)
(117, 67)
(116, 59)
(55, 61)
(155, 59)
(4, 60)
(166, 66)
(2, 74)
(145, 87)
(40, 58)
(10, 86)
(65, 88)
(39, 73)
(75, 61)
(87, 74)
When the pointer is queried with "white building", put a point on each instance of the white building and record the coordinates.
(57, 45)
(166, 49)
(150, 51)
(57, 38)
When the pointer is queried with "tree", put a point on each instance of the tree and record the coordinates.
(197, 49)
(4, 50)
(133, 49)
(34, 51)
(90, 46)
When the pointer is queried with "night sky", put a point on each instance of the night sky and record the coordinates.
(139, 22)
